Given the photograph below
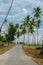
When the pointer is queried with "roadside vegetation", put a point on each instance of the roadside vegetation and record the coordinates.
(33, 51)
(5, 47)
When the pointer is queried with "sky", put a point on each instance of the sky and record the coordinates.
(20, 9)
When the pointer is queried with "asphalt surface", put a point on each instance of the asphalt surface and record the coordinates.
(16, 56)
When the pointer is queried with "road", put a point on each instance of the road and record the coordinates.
(16, 56)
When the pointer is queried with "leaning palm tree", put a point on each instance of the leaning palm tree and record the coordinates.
(18, 34)
(27, 21)
(17, 31)
(37, 15)
(31, 29)
(23, 33)
(23, 30)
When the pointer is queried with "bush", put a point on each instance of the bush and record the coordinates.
(1, 44)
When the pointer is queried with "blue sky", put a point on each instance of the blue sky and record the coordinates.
(20, 9)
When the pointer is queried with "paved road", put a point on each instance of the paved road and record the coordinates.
(16, 56)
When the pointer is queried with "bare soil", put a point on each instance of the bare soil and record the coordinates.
(34, 53)
(5, 48)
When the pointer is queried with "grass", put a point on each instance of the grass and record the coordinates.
(33, 51)
(6, 47)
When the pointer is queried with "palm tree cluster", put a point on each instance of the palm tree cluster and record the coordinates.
(29, 25)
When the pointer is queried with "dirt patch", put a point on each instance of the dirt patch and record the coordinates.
(34, 53)
(5, 48)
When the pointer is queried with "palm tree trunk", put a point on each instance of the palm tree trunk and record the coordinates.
(37, 35)
(18, 39)
(28, 37)
(8, 43)
(33, 38)
(24, 38)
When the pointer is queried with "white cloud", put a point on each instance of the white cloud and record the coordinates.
(4, 6)
(20, 14)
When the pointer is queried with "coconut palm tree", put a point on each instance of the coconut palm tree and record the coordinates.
(27, 21)
(17, 31)
(37, 15)
(18, 34)
(31, 29)
(23, 30)
(32, 23)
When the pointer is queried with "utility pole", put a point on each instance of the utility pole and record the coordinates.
(6, 16)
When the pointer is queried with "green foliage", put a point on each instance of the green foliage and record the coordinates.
(1, 37)
(37, 12)
(17, 26)
(11, 32)
(18, 33)
(38, 24)
(37, 15)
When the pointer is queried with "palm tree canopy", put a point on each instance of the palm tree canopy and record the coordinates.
(18, 33)
(27, 20)
(17, 25)
(38, 23)
(33, 21)
(37, 15)
(37, 12)
(23, 25)
(23, 30)
(31, 28)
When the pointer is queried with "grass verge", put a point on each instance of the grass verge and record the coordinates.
(6, 47)
(34, 53)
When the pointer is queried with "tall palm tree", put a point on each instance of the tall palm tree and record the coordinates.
(31, 29)
(23, 30)
(17, 26)
(17, 31)
(27, 21)
(32, 23)
(18, 34)
(37, 15)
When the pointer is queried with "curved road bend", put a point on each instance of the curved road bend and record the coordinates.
(16, 56)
